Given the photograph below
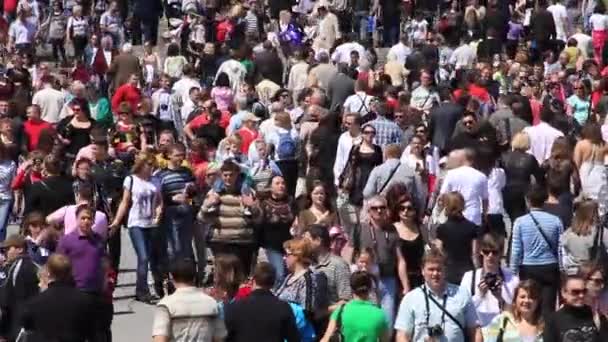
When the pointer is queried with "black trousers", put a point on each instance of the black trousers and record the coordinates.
(548, 277)
(245, 252)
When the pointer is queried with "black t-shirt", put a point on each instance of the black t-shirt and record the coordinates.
(457, 237)
(561, 211)
(572, 324)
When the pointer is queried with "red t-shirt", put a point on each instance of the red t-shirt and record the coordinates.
(32, 130)
(204, 119)
(248, 137)
(128, 93)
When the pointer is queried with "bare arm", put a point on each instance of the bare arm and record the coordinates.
(331, 328)
(161, 339)
(403, 337)
(122, 208)
(402, 271)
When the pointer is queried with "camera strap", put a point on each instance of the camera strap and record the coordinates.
(444, 311)
(428, 308)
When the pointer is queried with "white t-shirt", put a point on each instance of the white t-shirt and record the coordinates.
(79, 27)
(359, 102)
(23, 32)
(472, 185)
(599, 22)
(560, 17)
(143, 194)
(110, 22)
(496, 182)
(487, 306)
(542, 137)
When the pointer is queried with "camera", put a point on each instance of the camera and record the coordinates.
(491, 279)
(435, 331)
(164, 107)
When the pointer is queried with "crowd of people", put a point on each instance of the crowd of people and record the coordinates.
(329, 170)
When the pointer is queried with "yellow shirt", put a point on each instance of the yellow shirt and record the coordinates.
(163, 162)
(573, 54)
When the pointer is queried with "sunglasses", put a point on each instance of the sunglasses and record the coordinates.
(406, 208)
(468, 122)
(488, 252)
(578, 292)
(76, 109)
(378, 208)
(597, 281)
(369, 132)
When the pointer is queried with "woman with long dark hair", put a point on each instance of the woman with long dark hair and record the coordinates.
(411, 244)
(75, 130)
(318, 209)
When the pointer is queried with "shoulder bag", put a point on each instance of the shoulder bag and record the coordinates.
(542, 233)
(390, 177)
(597, 252)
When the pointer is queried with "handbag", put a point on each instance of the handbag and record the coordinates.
(337, 336)
(347, 179)
(597, 252)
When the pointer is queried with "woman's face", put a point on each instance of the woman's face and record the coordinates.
(261, 150)
(368, 134)
(78, 112)
(595, 285)
(290, 260)
(525, 303)
(318, 196)
(407, 211)
(35, 229)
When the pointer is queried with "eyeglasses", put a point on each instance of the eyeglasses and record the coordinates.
(488, 252)
(378, 208)
(76, 109)
(369, 132)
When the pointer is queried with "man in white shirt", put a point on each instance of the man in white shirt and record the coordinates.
(359, 102)
(181, 88)
(560, 17)
(401, 50)
(470, 183)
(584, 43)
(49, 99)
(352, 122)
(190, 105)
(464, 56)
(236, 73)
(542, 137)
(343, 51)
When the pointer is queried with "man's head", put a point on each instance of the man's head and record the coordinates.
(183, 271)
(229, 173)
(377, 209)
(264, 276)
(4, 107)
(84, 215)
(318, 235)
(14, 246)
(491, 247)
(574, 290)
(59, 268)
(177, 154)
(536, 196)
(354, 58)
(33, 112)
(469, 121)
(166, 138)
(433, 268)
(352, 122)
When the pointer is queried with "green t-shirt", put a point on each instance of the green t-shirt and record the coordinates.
(362, 321)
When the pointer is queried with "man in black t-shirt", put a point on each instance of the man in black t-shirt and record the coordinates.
(575, 321)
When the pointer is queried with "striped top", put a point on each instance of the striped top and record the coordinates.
(8, 169)
(173, 182)
(529, 247)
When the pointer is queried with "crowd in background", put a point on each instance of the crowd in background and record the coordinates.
(370, 170)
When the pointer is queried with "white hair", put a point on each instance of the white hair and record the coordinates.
(127, 48)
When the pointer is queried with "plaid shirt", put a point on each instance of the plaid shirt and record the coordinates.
(337, 272)
(387, 131)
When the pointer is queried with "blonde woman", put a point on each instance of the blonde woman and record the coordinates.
(577, 241)
(141, 203)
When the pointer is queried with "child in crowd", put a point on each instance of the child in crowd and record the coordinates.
(37, 237)
(366, 261)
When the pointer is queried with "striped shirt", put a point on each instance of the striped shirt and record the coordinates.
(173, 182)
(387, 132)
(337, 272)
(8, 169)
(529, 247)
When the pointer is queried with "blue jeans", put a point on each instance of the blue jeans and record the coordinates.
(177, 225)
(387, 287)
(360, 24)
(275, 258)
(6, 206)
(145, 243)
